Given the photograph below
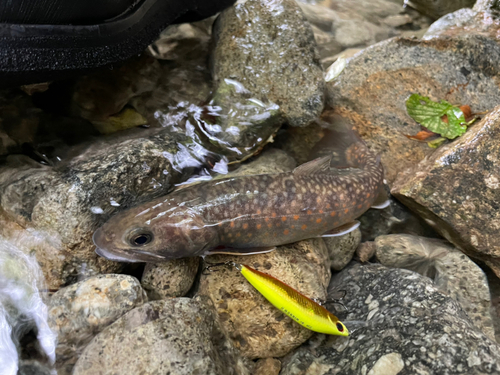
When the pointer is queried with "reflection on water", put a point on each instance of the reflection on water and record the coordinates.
(22, 306)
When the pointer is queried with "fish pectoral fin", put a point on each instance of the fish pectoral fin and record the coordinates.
(314, 166)
(343, 229)
(240, 251)
(382, 201)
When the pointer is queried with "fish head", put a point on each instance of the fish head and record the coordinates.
(337, 327)
(153, 235)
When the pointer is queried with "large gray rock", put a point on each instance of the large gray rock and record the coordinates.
(457, 188)
(269, 48)
(80, 311)
(453, 273)
(179, 336)
(372, 90)
(58, 208)
(404, 326)
(256, 327)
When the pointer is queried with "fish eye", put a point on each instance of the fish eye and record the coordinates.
(140, 238)
(340, 327)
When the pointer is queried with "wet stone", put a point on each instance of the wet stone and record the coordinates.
(399, 324)
(341, 249)
(267, 366)
(269, 48)
(392, 70)
(173, 278)
(452, 272)
(438, 8)
(180, 335)
(256, 327)
(456, 191)
(80, 311)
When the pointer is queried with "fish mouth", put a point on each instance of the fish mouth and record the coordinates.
(116, 258)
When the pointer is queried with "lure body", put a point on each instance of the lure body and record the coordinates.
(303, 310)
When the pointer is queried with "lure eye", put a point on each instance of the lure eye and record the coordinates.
(141, 238)
(340, 327)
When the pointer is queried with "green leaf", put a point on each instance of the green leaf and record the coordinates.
(430, 115)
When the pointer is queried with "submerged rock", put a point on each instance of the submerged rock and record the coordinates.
(267, 366)
(178, 336)
(400, 324)
(371, 91)
(438, 8)
(269, 48)
(456, 191)
(173, 278)
(80, 311)
(453, 273)
(256, 327)
(341, 249)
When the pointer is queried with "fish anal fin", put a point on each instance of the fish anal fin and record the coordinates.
(382, 201)
(240, 251)
(343, 229)
(314, 166)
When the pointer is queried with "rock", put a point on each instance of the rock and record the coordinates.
(456, 191)
(299, 142)
(242, 123)
(282, 64)
(327, 45)
(341, 249)
(366, 251)
(458, 18)
(80, 311)
(354, 33)
(110, 174)
(19, 121)
(318, 16)
(270, 161)
(32, 367)
(371, 10)
(438, 8)
(256, 327)
(180, 335)
(392, 70)
(494, 284)
(169, 279)
(404, 326)
(453, 273)
(267, 366)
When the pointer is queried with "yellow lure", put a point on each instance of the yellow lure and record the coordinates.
(294, 304)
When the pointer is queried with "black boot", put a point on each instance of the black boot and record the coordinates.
(46, 40)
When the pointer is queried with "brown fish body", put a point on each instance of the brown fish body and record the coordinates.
(246, 212)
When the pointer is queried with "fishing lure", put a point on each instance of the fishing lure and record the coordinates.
(303, 310)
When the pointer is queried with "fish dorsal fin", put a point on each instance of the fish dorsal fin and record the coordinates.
(382, 201)
(312, 167)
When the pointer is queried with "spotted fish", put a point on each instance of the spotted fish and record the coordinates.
(251, 214)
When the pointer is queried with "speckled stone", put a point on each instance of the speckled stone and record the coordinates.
(109, 175)
(270, 49)
(256, 327)
(453, 273)
(399, 324)
(267, 366)
(438, 8)
(80, 311)
(341, 249)
(457, 188)
(179, 336)
(371, 91)
(168, 279)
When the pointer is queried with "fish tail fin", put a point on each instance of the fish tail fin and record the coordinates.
(340, 141)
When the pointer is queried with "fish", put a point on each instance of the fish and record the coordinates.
(297, 306)
(251, 214)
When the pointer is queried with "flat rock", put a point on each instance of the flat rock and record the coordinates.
(371, 91)
(456, 190)
(404, 325)
(438, 8)
(256, 327)
(269, 48)
(80, 311)
(173, 278)
(102, 178)
(453, 273)
(177, 336)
